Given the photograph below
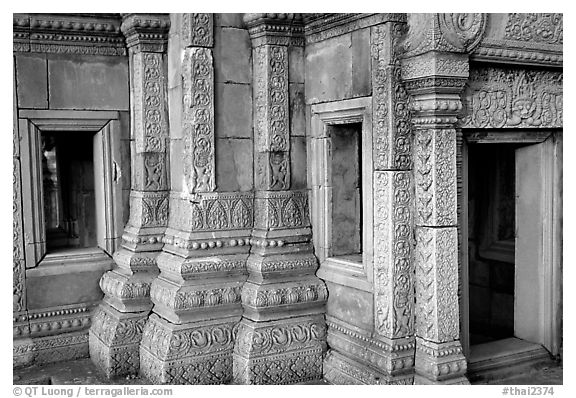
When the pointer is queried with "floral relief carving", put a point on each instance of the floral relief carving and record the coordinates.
(167, 344)
(278, 338)
(391, 131)
(435, 177)
(437, 284)
(393, 265)
(216, 211)
(463, 30)
(197, 30)
(154, 211)
(17, 240)
(149, 109)
(535, 28)
(498, 97)
(116, 331)
(191, 299)
(260, 297)
(271, 98)
(282, 210)
(198, 120)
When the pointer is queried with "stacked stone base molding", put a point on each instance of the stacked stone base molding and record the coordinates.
(440, 363)
(115, 340)
(339, 369)
(283, 351)
(198, 353)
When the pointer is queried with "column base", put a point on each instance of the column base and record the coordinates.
(286, 351)
(114, 340)
(440, 363)
(340, 370)
(191, 353)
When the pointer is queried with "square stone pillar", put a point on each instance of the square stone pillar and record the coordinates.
(189, 338)
(282, 336)
(116, 331)
(435, 69)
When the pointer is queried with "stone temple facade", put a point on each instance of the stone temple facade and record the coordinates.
(286, 198)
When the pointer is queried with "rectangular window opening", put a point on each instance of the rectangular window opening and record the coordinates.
(346, 183)
(69, 190)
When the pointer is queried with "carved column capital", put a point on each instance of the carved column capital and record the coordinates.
(146, 32)
(276, 29)
(452, 32)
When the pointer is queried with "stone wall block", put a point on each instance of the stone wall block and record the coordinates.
(32, 82)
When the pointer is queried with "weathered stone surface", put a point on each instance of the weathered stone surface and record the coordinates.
(440, 362)
(232, 59)
(361, 70)
(298, 175)
(88, 83)
(229, 19)
(234, 165)
(296, 64)
(175, 111)
(233, 110)
(297, 110)
(32, 81)
(49, 349)
(329, 70)
(63, 286)
(351, 305)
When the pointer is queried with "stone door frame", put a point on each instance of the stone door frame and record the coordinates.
(324, 115)
(32, 123)
(549, 290)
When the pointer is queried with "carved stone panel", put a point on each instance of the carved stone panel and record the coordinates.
(535, 27)
(198, 120)
(148, 209)
(435, 177)
(509, 97)
(197, 30)
(18, 266)
(437, 284)
(393, 263)
(272, 170)
(392, 141)
(148, 96)
(271, 127)
(273, 210)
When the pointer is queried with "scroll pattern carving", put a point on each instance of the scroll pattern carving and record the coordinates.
(197, 30)
(393, 265)
(435, 158)
(168, 344)
(17, 240)
(391, 131)
(116, 331)
(278, 338)
(499, 98)
(198, 120)
(437, 284)
(150, 123)
(463, 30)
(115, 285)
(281, 210)
(306, 263)
(271, 98)
(533, 27)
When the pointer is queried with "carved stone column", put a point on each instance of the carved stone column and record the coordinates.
(435, 69)
(189, 338)
(281, 338)
(118, 322)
